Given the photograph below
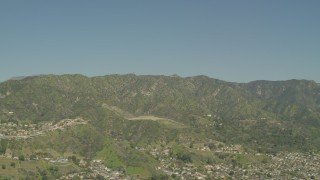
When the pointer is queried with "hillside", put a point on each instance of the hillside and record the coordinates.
(134, 124)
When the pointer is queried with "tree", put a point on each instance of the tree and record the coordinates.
(13, 164)
(184, 157)
(231, 173)
(33, 157)
(99, 177)
(3, 146)
(74, 159)
(159, 177)
(212, 146)
(21, 157)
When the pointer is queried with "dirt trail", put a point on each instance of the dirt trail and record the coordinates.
(132, 117)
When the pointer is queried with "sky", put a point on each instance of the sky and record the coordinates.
(237, 41)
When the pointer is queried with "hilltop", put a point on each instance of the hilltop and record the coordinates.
(133, 125)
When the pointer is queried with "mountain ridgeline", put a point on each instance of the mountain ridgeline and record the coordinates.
(129, 111)
(47, 98)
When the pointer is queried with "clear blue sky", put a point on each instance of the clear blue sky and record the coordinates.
(231, 40)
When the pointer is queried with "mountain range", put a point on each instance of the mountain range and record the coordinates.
(125, 114)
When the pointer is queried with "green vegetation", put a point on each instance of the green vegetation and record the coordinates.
(127, 114)
(182, 153)
(3, 145)
(110, 156)
(30, 169)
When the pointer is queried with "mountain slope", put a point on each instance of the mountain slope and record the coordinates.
(127, 114)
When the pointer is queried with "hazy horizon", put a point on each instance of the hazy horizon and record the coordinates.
(25, 76)
(235, 41)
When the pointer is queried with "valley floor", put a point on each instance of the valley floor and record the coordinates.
(281, 166)
(220, 161)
